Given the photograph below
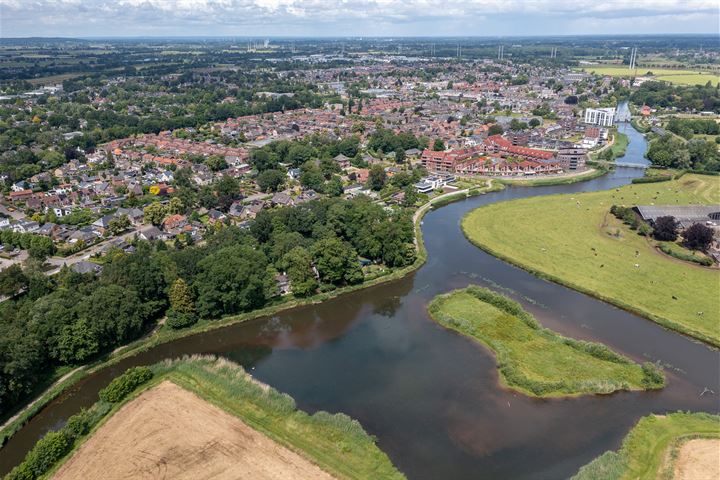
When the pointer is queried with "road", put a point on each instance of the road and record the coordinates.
(58, 262)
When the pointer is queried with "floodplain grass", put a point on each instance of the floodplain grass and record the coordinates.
(620, 144)
(534, 360)
(679, 76)
(597, 171)
(645, 449)
(335, 442)
(572, 239)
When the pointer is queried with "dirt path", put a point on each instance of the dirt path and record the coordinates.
(169, 432)
(698, 459)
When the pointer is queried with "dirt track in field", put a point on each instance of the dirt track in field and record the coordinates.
(171, 433)
(698, 459)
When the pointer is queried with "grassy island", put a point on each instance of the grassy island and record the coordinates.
(572, 239)
(681, 446)
(534, 360)
(203, 416)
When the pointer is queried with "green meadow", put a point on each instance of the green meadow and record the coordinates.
(572, 239)
(681, 77)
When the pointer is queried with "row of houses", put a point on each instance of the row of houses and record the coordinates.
(497, 155)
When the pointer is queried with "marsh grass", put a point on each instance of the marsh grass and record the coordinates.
(535, 360)
(642, 454)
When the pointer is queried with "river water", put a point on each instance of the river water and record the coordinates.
(429, 395)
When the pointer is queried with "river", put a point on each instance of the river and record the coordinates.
(429, 395)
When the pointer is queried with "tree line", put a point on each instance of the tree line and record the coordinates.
(682, 97)
(673, 152)
(71, 318)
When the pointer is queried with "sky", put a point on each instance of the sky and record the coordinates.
(93, 18)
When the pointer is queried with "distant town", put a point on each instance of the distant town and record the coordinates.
(358, 258)
(446, 121)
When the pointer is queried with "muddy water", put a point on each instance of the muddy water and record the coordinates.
(429, 395)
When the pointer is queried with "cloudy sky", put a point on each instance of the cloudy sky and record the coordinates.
(85, 18)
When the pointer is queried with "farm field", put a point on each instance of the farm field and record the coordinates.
(681, 76)
(572, 239)
(682, 446)
(534, 360)
(203, 417)
(141, 440)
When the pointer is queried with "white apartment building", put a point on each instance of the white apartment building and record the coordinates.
(600, 116)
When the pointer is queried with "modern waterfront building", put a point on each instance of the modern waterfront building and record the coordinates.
(600, 116)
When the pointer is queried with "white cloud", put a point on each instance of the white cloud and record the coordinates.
(338, 17)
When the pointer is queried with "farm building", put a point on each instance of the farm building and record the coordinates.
(686, 215)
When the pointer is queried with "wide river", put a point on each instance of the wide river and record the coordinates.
(430, 396)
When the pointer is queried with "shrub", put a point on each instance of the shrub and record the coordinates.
(21, 472)
(46, 452)
(78, 425)
(688, 257)
(653, 179)
(627, 215)
(652, 375)
(645, 230)
(125, 384)
(178, 320)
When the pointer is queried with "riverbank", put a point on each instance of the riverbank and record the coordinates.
(656, 447)
(165, 420)
(564, 179)
(572, 240)
(534, 360)
(166, 334)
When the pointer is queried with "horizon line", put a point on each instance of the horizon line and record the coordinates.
(356, 37)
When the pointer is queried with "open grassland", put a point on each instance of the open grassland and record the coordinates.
(681, 76)
(534, 360)
(203, 417)
(681, 446)
(572, 239)
(690, 78)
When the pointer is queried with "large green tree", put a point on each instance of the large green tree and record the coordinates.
(300, 272)
(336, 262)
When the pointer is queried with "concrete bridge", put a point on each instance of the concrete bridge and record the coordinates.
(631, 165)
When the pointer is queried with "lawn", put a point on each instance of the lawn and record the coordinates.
(682, 76)
(572, 239)
(650, 449)
(534, 360)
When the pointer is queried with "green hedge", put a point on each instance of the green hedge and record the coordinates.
(125, 384)
(688, 257)
(654, 179)
(55, 445)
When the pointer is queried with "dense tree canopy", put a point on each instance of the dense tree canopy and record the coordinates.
(70, 318)
(682, 97)
(671, 151)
